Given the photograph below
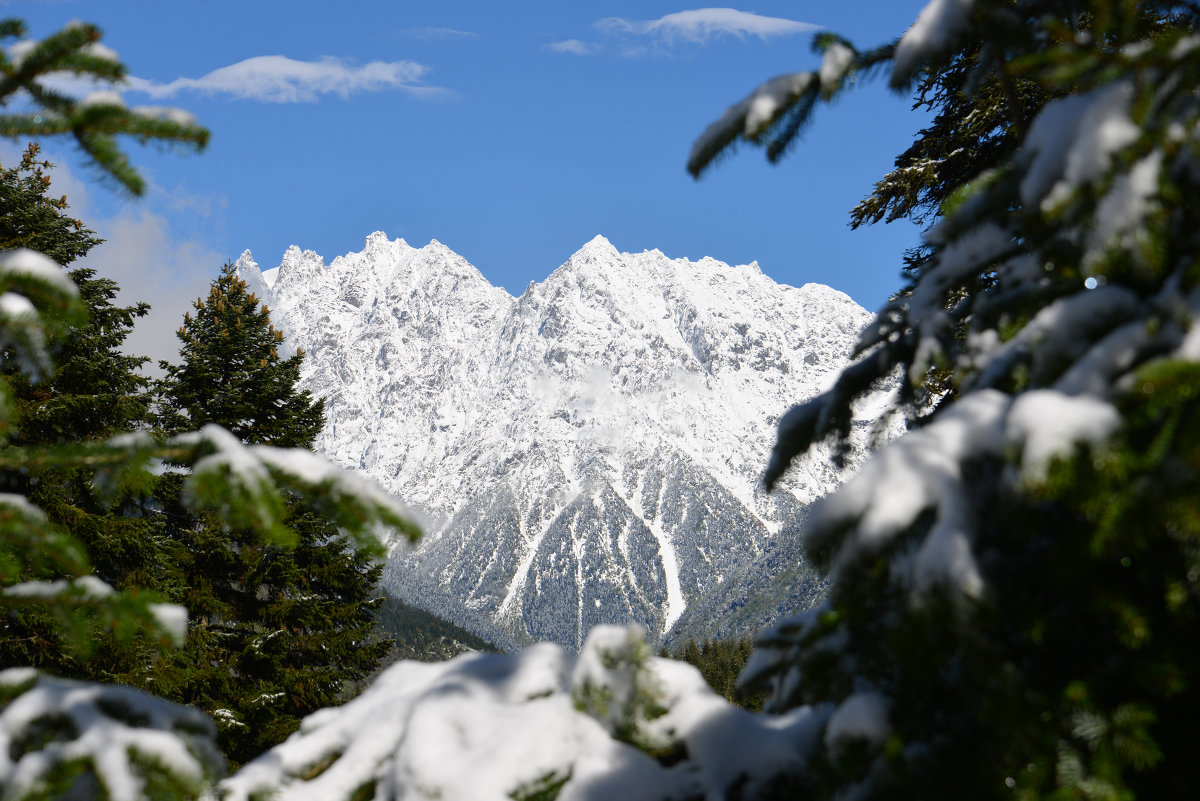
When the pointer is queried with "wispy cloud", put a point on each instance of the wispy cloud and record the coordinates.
(279, 79)
(702, 25)
(430, 32)
(573, 46)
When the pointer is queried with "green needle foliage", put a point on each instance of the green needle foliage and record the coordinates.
(1015, 593)
(34, 219)
(418, 636)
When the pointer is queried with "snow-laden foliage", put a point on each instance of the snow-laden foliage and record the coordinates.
(245, 482)
(35, 294)
(32, 74)
(96, 738)
(68, 739)
(923, 474)
(1016, 582)
(283, 601)
(42, 567)
(612, 722)
(1089, 188)
(774, 113)
(932, 34)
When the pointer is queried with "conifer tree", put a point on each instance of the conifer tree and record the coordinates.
(232, 373)
(1015, 594)
(92, 393)
(278, 630)
(720, 663)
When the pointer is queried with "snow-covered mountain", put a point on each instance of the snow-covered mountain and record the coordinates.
(588, 452)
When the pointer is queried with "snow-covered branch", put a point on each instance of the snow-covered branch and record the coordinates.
(62, 739)
(611, 722)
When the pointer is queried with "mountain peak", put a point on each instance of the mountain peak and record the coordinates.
(375, 240)
(628, 392)
(596, 247)
(247, 269)
(299, 266)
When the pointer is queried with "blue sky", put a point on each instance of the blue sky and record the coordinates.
(511, 132)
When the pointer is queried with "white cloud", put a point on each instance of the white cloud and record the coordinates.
(144, 254)
(573, 46)
(701, 25)
(430, 32)
(279, 79)
(273, 79)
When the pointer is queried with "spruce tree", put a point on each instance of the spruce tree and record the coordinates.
(1016, 581)
(232, 374)
(278, 630)
(93, 392)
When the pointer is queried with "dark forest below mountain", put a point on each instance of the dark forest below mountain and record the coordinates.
(421, 636)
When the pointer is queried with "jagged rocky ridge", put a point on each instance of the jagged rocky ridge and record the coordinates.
(589, 452)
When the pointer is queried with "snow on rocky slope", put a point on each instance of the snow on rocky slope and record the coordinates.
(589, 452)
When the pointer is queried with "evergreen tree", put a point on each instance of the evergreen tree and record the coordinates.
(93, 392)
(278, 630)
(231, 373)
(53, 606)
(1016, 582)
(720, 662)
(33, 219)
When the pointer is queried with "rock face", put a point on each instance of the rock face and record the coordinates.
(589, 452)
